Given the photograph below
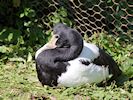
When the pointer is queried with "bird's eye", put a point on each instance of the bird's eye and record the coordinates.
(56, 36)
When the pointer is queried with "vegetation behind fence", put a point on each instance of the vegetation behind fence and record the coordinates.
(26, 23)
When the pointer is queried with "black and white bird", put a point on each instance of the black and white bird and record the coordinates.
(67, 60)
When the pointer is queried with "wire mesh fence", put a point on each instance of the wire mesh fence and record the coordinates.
(89, 16)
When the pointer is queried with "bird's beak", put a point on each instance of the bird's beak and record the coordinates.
(52, 43)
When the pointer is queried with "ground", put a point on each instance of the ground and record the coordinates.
(18, 81)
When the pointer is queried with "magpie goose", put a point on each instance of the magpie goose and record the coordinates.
(67, 60)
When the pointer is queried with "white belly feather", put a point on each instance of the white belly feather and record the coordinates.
(78, 73)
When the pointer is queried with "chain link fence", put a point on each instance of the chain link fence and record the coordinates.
(113, 16)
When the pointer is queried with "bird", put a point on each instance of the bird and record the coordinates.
(68, 60)
(52, 59)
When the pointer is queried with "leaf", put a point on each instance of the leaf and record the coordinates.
(117, 8)
(29, 59)
(27, 23)
(29, 12)
(4, 49)
(21, 15)
(20, 40)
(10, 37)
(63, 13)
(109, 1)
(1, 32)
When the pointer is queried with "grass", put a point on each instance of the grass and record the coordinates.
(18, 80)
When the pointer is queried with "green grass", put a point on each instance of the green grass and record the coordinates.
(18, 80)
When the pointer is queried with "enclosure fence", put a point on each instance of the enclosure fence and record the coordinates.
(113, 16)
